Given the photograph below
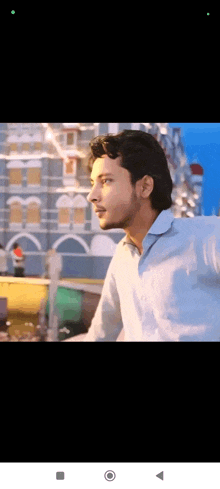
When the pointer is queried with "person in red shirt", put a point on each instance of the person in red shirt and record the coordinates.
(18, 252)
(18, 260)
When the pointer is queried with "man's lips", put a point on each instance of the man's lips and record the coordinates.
(99, 209)
(99, 213)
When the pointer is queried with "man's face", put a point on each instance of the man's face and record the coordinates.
(114, 193)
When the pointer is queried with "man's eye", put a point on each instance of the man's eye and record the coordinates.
(105, 180)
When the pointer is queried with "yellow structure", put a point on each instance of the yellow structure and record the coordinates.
(25, 294)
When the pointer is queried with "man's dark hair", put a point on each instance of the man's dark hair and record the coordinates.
(1, 247)
(15, 245)
(141, 155)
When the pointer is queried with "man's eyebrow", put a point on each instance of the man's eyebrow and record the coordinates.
(102, 175)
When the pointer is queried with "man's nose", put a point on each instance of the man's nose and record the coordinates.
(90, 197)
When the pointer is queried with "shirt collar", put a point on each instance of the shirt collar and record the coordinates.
(160, 225)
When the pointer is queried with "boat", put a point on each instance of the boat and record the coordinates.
(75, 303)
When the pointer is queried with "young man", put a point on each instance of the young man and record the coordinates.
(163, 282)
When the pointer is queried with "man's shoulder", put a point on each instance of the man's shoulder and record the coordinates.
(198, 224)
(120, 244)
(119, 249)
(115, 260)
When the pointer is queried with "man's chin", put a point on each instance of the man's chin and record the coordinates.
(106, 225)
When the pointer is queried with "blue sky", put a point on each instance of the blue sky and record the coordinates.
(202, 139)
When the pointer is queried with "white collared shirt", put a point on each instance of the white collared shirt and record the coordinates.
(169, 293)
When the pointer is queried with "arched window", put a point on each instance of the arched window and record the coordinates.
(70, 138)
(33, 176)
(15, 176)
(33, 213)
(15, 213)
(64, 215)
(69, 167)
(25, 147)
(79, 216)
(37, 146)
(13, 147)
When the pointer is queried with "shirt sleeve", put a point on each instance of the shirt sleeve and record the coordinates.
(107, 323)
(211, 246)
(217, 248)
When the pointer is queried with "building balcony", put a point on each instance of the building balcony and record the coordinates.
(73, 151)
(71, 125)
(15, 226)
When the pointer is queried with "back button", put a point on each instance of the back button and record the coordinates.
(160, 476)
